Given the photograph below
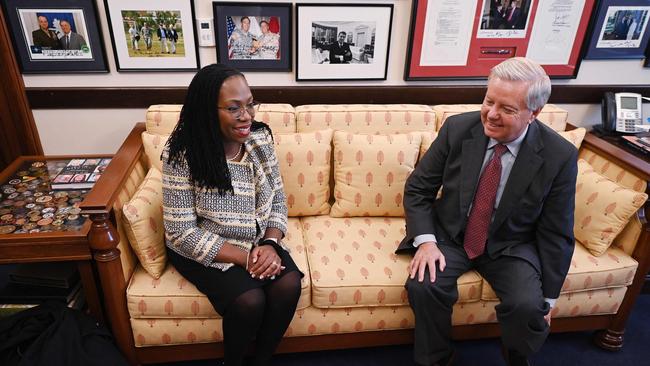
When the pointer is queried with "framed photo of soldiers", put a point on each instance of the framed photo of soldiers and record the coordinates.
(343, 41)
(153, 35)
(253, 36)
(52, 36)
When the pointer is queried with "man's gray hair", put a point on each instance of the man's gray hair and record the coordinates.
(529, 71)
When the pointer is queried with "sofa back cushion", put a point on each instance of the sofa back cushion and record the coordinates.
(161, 119)
(365, 118)
(553, 116)
(370, 172)
(305, 160)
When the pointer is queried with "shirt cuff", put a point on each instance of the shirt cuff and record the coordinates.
(551, 302)
(423, 238)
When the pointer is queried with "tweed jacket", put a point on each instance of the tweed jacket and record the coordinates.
(198, 221)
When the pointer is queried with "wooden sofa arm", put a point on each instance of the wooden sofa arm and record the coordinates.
(103, 237)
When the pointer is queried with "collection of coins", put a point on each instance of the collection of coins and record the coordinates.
(29, 205)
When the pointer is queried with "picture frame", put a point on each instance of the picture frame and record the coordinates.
(620, 30)
(450, 40)
(342, 41)
(56, 36)
(139, 43)
(253, 36)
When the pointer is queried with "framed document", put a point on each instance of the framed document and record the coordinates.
(620, 30)
(466, 38)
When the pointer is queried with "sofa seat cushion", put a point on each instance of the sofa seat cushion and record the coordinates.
(172, 296)
(361, 118)
(353, 263)
(551, 115)
(589, 273)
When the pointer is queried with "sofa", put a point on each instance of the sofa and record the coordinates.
(343, 168)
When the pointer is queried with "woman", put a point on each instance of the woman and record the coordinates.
(225, 213)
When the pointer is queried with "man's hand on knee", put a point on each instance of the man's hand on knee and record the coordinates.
(426, 255)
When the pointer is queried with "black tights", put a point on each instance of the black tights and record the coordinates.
(262, 314)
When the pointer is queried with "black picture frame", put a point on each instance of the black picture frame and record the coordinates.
(46, 53)
(315, 24)
(612, 37)
(138, 54)
(228, 20)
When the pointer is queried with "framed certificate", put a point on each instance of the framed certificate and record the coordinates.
(466, 38)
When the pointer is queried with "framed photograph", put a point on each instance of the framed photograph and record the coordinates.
(56, 36)
(153, 35)
(343, 41)
(620, 30)
(253, 36)
(453, 40)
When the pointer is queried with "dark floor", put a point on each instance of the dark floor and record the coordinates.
(570, 349)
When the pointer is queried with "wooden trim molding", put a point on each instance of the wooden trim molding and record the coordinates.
(141, 97)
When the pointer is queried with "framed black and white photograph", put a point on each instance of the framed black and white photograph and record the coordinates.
(253, 36)
(56, 36)
(620, 30)
(153, 35)
(343, 41)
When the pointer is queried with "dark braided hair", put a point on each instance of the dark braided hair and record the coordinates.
(197, 137)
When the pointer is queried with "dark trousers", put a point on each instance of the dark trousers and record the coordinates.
(520, 313)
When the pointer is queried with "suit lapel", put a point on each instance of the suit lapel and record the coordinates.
(473, 151)
(522, 174)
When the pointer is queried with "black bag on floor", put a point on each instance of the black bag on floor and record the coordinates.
(53, 334)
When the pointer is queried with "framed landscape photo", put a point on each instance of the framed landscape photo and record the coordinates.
(620, 30)
(153, 35)
(253, 36)
(343, 41)
(56, 36)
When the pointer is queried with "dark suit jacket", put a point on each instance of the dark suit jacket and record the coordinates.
(41, 39)
(534, 220)
(344, 51)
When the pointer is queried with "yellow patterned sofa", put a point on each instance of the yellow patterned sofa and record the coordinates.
(344, 167)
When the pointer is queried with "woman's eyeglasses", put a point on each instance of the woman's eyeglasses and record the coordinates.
(237, 111)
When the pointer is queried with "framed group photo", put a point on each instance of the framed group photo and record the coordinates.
(620, 30)
(343, 41)
(451, 40)
(154, 35)
(253, 36)
(56, 36)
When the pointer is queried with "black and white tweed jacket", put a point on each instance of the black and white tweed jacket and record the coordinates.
(198, 221)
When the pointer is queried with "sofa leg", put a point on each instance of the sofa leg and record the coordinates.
(608, 339)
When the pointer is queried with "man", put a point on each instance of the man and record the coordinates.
(45, 37)
(340, 51)
(146, 36)
(241, 41)
(162, 36)
(268, 44)
(173, 36)
(70, 40)
(514, 224)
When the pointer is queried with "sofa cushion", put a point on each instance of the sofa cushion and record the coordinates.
(370, 172)
(143, 223)
(161, 119)
(553, 116)
(574, 136)
(153, 147)
(172, 296)
(305, 160)
(353, 263)
(361, 118)
(603, 208)
(615, 269)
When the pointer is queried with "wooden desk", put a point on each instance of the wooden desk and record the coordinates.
(54, 244)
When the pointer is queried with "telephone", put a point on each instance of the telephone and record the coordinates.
(621, 112)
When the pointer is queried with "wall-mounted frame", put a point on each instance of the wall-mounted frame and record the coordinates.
(153, 35)
(253, 36)
(451, 40)
(343, 41)
(56, 36)
(620, 30)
